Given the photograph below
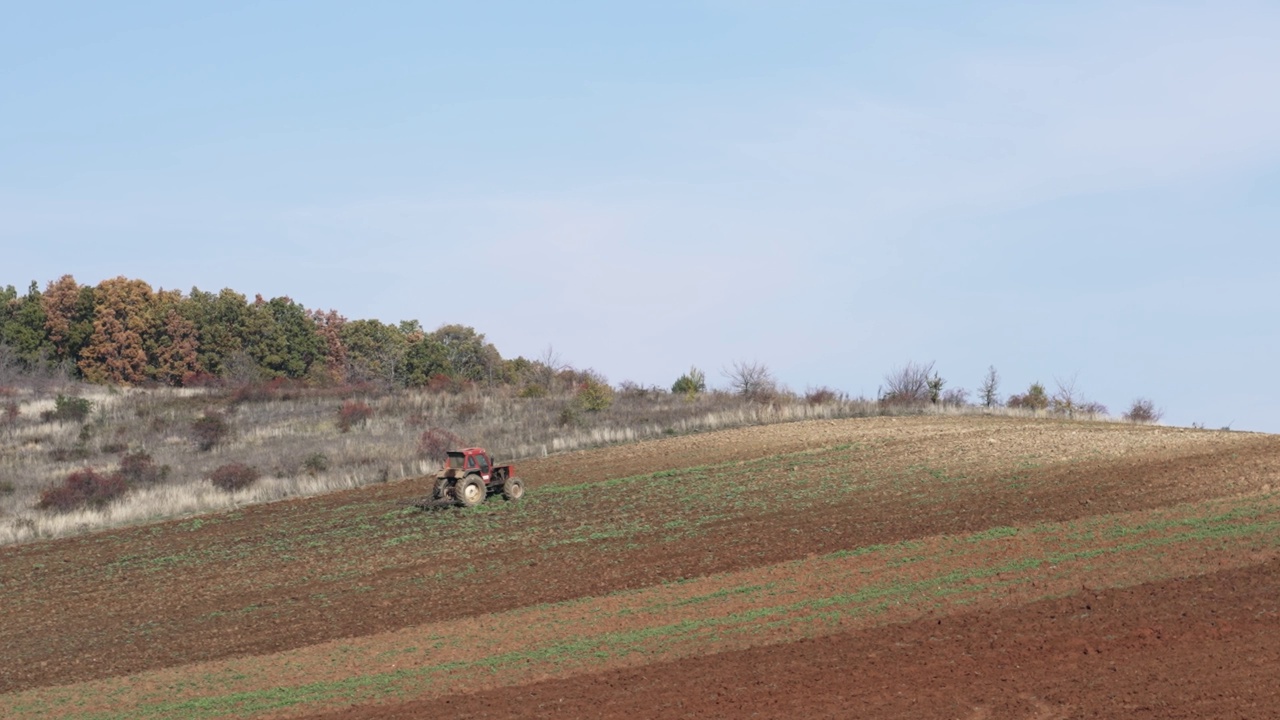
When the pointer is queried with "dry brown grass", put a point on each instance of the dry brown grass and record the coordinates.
(297, 442)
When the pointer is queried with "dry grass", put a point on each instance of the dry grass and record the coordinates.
(298, 446)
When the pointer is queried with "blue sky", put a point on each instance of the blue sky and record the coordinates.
(1084, 189)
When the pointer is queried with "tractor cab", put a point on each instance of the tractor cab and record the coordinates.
(468, 461)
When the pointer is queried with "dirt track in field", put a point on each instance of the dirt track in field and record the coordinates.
(297, 574)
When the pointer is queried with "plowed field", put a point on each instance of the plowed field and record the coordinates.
(969, 567)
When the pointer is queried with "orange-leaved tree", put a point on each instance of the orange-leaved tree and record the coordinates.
(116, 352)
(171, 343)
(68, 310)
(331, 368)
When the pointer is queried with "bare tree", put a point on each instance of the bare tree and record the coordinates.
(751, 380)
(1066, 400)
(955, 397)
(989, 391)
(912, 384)
(548, 367)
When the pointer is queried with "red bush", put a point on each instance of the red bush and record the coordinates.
(201, 380)
(440, 382)
(269, 391)
(353, 413)
(436, 442)
(83, 488)
(234, 476)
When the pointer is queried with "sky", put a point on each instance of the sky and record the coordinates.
(1072, 191)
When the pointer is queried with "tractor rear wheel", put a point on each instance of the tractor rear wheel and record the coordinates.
(441, 489)
(469, 491)
(513, 489)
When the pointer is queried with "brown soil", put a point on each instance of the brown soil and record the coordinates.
(70, 617)
(1201, 647)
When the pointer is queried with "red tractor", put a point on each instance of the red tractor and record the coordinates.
(469, 476)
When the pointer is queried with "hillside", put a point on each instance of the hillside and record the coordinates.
(883, 567)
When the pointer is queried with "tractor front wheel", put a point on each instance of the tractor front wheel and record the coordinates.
(469, 491)
(513, 489)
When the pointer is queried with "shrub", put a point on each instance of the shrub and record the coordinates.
(1090, 407)
(200, 380)
(316, 464)
(594, 396)
(1036, 398)
(82, 488)
(436, 442)
(209, 430)
(442, 383)
(1143, 411)
(821, 396)
(233, 476)
(690, 383)
(113, 447)
(7, 487)
(138, 468)
(269, 391)
(353, 413)
(911, 384)
(68, 409)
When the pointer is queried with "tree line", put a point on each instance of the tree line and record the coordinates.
(123, 332)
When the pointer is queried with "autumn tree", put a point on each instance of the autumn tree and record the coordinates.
(69, 313)
(331, 367)
(116, 352)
